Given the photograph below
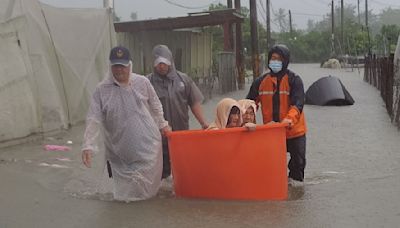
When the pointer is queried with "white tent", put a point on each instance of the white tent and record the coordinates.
(396, 84)
(50, 62)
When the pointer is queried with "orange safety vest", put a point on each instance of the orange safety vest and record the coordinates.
(266, 90)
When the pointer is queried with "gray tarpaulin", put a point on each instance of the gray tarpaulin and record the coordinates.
(50, 62)
(328, 91)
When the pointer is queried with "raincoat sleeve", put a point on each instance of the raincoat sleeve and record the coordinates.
(92, 132)
(156, 107)
(93, 123)
(296, 98)
(253, 92)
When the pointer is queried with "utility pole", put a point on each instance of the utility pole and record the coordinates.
(290, 23)
(358, 11)
(366, 25)
(342, 24)
(108, 4)
(333, 30)
(229, 4)
(229, 30)
(366, 13)
(239, 50)
(269, 41)
(255, 59)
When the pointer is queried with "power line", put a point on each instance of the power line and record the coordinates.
(189, 7)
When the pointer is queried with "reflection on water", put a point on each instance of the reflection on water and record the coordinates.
(295, 193)
(84, 189)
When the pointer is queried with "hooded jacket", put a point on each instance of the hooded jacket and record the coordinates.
(247, 103)
(131, 117)
(281, 95)
(176, 91)
(222, 114)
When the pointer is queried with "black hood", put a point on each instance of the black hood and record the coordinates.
(283, 51)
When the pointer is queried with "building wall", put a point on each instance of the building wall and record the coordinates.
(191, 50)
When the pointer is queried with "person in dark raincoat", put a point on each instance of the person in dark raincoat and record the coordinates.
(281, 95)
(177, 93)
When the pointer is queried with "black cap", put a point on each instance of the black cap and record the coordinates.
(120, 56)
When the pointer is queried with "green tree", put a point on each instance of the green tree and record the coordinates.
(304, 47)
(386, 41)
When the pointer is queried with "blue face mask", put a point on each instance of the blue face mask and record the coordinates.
(275, 65)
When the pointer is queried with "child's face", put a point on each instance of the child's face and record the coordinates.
(234, 118)
(249, 116)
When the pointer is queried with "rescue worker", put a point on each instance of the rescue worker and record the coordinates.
(281, 95)
(177, 93)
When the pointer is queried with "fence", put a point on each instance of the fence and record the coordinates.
(227, 73)
(379, 72)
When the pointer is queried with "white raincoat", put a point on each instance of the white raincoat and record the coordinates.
(131, 118)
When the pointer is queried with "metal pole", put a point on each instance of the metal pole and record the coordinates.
(366, 13)
(342, 23)
(239, 50)
(333, 30)
(269, 41)
(358, 11)
(230, 29)
(366, 24)
(229, 4)
(254, 39)
(290, 23)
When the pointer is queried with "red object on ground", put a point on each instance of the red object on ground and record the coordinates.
(231, 163)
(56, 148)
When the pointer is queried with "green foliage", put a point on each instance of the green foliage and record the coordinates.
(314, 44)
(303, 45)
(386, 40)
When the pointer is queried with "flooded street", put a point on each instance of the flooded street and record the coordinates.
(352, 178)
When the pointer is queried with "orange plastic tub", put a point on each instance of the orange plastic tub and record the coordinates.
(230, 163)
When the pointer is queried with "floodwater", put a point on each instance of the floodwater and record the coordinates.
(352, 177)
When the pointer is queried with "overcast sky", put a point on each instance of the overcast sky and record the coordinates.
(302, 10)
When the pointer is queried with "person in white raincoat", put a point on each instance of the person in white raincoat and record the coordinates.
(131, 114)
